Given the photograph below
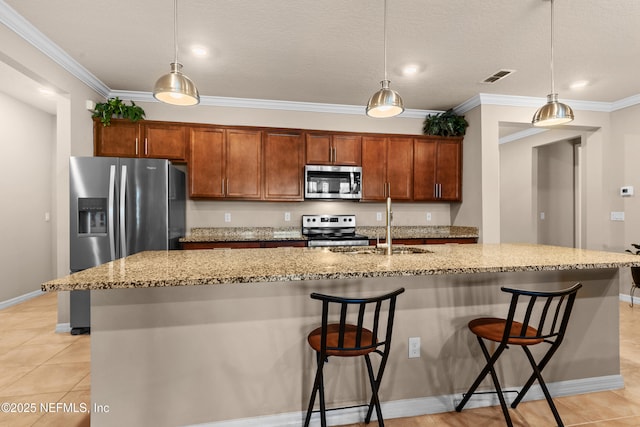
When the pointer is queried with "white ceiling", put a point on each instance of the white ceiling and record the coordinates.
(331, 51)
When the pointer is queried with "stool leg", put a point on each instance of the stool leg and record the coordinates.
(318, 384)
(375, 401)
(488, 369)
(543, 386)
(532, 378)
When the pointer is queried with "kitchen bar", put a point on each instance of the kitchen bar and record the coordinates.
(235, 353)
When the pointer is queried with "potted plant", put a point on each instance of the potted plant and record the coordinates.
(115, 107)
(445, 124)
(635, 271)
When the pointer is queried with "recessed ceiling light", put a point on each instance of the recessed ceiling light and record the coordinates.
(199, 51)
(579, 84)
(410, 70)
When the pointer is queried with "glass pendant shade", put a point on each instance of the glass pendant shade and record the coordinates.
(552, 113)
(385, 102)
(176, 88)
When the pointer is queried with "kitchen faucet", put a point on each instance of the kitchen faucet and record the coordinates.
(389, 218)
(387, 245)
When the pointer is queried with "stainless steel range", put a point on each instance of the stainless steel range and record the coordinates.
(332, 230)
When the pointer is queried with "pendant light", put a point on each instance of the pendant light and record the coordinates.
(553, 112)
(386, 102)
(176, 88)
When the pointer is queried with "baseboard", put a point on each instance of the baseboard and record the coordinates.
(22, 298)
(424, 405)
(63, 328)
(627, 298)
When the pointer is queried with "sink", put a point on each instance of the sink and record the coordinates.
(396, 250)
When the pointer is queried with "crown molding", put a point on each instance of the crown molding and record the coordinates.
(15, 22)
(266, 104)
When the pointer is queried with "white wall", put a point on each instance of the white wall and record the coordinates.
(27, 138)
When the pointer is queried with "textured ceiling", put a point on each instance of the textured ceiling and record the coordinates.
(331, 51)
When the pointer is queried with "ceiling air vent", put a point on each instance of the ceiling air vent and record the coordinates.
(498, 75)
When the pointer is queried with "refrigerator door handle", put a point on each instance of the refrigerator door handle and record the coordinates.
(111, 219)
(123, 211)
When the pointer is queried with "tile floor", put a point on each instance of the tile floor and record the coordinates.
(46, 376)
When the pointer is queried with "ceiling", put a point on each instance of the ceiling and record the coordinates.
(331, 51)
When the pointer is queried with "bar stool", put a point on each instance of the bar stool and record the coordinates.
(546, 315)
(348, 339)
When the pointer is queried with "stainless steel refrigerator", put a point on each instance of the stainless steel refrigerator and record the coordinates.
(120, 207)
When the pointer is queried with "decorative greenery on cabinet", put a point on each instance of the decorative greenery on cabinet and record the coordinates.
(115, 107)
(445, 124)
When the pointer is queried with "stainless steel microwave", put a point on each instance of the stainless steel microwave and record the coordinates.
(332, 182)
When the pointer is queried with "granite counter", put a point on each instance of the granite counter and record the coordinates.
(220, 266)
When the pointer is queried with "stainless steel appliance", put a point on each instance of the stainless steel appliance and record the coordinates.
(120, 207)
(332, 230)
(333, 182)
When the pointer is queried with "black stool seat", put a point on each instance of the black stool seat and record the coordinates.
(355, 334)
(543, 318)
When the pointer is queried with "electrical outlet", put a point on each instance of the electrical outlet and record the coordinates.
(287, 216)
(428, 216)
(378, 216)
(414, 347)
(227, 217)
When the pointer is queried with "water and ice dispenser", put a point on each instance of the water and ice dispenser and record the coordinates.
(92, 216)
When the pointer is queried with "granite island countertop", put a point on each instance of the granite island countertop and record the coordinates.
(247, 234)
(227, 266)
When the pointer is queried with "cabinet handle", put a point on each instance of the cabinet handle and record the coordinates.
(335, 154)
(222, 186)
(145, 147)
(136, 146)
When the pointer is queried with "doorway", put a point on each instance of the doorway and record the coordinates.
(557, 182)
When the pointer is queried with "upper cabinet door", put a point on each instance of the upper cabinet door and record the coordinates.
(283, 166)
(165, 141)
(347, 150)
(206, 162)
(438, 169)
(400, 168)
(318, 149)
(374, 168)
(120, 139)
(330, 149)
(424, 169)
(243, 164)
(449, 170)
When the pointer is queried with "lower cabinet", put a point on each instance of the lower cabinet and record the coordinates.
(244, 245)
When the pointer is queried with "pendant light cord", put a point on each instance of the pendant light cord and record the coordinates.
(384, 29)
(175, 29)
(553, 89)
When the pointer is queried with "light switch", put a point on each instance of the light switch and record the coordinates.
(617, 216)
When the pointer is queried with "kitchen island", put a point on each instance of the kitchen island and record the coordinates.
(219, 336)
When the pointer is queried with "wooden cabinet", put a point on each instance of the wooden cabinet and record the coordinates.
(118, 140)
(225, 163)
(156, 140)
(206, 163)
(327, 149)
(437, 169)
(387, 168)
(283, 166)
(164, 141)
(245, 245)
